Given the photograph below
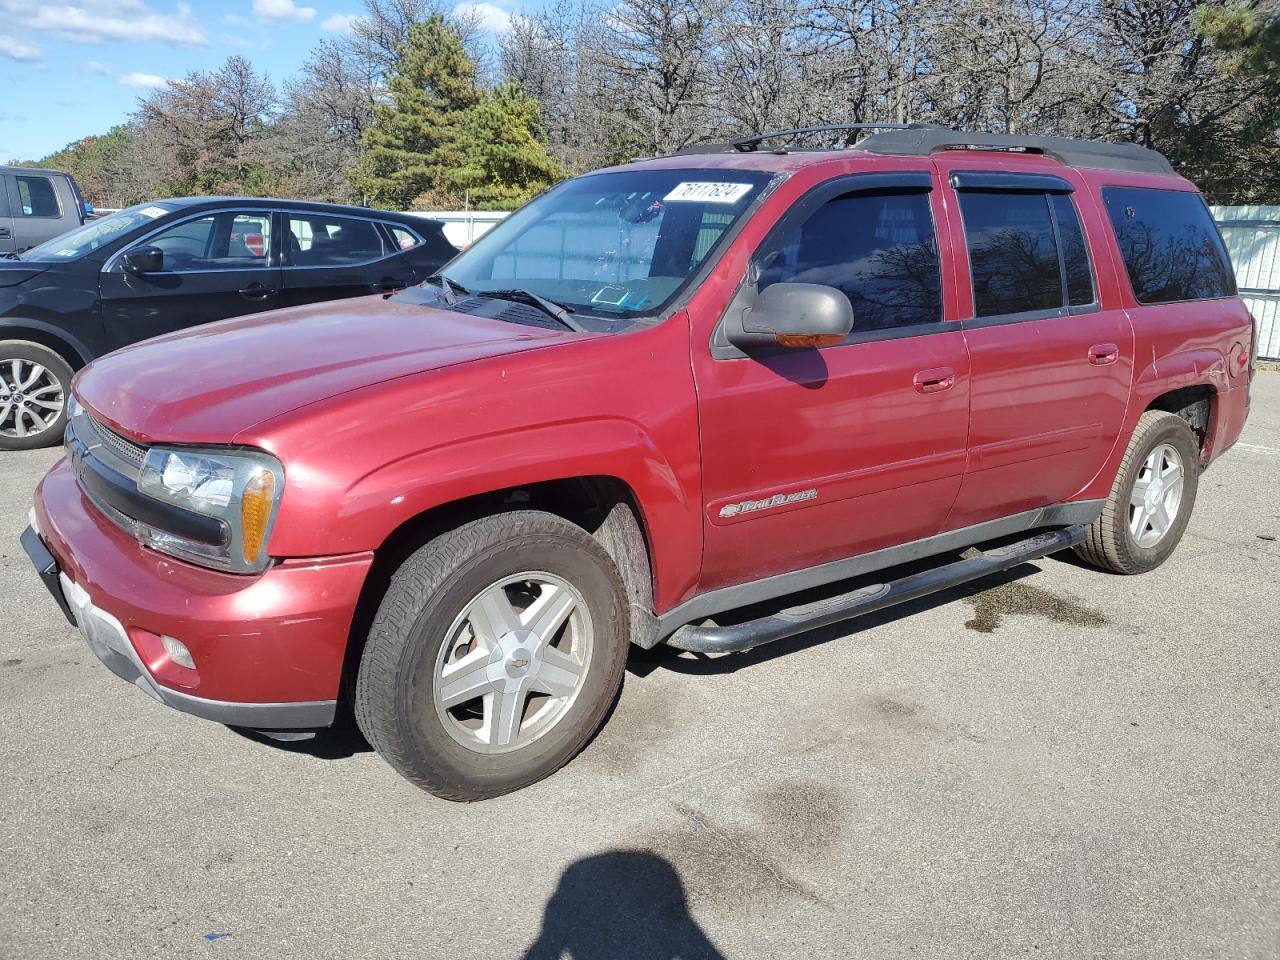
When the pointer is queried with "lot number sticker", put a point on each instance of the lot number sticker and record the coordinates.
(694, 192)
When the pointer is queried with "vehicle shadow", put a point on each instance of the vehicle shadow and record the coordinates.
(339, 742)
(620, 905)
(641, 663)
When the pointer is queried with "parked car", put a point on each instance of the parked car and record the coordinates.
(169, 264)
(37, 205)
(651, 397)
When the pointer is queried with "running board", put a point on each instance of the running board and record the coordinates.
(821, 613)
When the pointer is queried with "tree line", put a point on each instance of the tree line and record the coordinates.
(418, 108)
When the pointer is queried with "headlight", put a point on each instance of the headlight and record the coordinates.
(240, 488)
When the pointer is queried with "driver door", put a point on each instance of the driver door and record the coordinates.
(216, 265)
(812, 455)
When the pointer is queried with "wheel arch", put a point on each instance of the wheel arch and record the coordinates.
(605, 506)
(70, 348)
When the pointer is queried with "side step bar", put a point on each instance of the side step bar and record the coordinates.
(846, 606)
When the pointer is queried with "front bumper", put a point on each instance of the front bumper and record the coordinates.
(268, 649)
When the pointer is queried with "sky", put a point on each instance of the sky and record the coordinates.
(69, 68)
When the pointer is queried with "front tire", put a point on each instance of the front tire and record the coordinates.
(494, 655)
(34, 385)
(1151, 500)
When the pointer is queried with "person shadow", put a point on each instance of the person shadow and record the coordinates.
(620, 905)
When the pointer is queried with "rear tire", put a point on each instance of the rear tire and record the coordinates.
(34, 385)
(494, 656)
(1151, 500)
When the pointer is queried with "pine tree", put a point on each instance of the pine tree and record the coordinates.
(497, 158)
(432, 85)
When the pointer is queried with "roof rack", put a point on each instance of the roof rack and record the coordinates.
(1094, 154)
(923, 139)
(751, 144)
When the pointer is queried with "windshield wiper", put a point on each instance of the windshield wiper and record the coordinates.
(451, 290)
(9, 255)
(557, 311)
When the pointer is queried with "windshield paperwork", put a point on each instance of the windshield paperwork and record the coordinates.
(96, 233)
(617, 246)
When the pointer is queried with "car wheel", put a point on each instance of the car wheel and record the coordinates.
(34, 385)
(1151, 500)
(494, 655)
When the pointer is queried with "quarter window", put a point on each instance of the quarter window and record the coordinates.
(404, 239)
(878, 249)
(36, 197)
(321, 241)
(1171, 248)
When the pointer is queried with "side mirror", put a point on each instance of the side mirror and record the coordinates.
(143, 260)
(793, 315)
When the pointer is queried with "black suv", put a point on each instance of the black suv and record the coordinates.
(162, 266)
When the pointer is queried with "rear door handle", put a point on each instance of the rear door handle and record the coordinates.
(390, 285)
(1101, 354)
(5, 234)
(935, 380)
(256, 291)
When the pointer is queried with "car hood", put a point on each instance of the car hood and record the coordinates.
(209, 383)
(14, 272)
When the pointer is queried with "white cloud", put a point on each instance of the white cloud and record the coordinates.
(94, 21)
(490, 17)
(142, 81)
(101, 69)
(340, 22)
(236, 20)
(282, 11)
(12, 48)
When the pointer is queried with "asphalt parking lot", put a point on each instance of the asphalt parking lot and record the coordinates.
(1066, 764)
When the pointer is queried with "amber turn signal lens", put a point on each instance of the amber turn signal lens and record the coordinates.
(809, 340)
(255, 510)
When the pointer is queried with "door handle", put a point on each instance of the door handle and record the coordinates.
(390, 285)
(256, 291)
(5, 234)
(1101, 354)
(935, 380)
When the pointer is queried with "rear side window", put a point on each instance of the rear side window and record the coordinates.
(324, 241)
(36, 197)
(1171, 248)
(878, 249)
(1027, 253)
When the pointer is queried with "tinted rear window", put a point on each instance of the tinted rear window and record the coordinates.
(1170, 245)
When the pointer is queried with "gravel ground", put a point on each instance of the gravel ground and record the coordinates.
(1059, 764)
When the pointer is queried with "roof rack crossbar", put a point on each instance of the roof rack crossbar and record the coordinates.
(749, 144)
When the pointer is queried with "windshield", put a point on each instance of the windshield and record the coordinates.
(614, 245)
(96, 233)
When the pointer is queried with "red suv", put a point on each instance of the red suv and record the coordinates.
(651, 397)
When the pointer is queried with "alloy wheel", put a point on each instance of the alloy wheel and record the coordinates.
(31, 398)
(513, 663)
(1156, 496)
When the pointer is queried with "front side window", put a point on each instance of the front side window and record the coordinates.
(878, 249)
(613, 245)
(323, 241)
(220, 241)
(1075, 252)
(1170, 246)
(37, 197)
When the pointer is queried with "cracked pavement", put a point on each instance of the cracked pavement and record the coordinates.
(1058, 763)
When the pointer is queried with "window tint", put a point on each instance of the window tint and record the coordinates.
(36, 197)
(878, 249)
(321, 241)
(1170, 245)
(1012, 252)
(1075, 253)
(220, 241)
